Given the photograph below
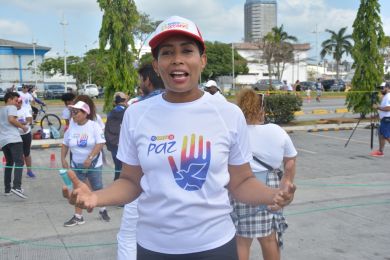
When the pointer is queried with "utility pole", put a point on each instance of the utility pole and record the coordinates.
(64, 23)
(234, 85)
(34, 43)
(316, 56)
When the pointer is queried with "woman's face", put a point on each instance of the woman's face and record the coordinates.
(180, 64)
(78, 115)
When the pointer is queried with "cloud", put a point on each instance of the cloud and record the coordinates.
(301, 16)
(216, 20)
(13, 28)
(50, 5)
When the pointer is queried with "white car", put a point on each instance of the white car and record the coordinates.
(90, 90)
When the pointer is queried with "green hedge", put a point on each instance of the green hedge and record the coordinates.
(280, 108)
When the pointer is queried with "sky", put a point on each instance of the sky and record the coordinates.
(219, 20)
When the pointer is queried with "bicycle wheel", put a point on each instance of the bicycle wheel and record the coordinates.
(51, 120)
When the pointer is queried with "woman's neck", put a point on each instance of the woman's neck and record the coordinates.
(83, 122)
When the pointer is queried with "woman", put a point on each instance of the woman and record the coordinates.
(254, 222)
(25, 118)
(182, 151)
(85, 139)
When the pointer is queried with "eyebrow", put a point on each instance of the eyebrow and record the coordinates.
(181, 44)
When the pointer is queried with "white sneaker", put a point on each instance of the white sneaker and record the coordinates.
(19, 192)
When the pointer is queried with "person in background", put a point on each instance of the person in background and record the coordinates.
(297, 86)
(12, 145)
(85, 139)
(68, 99)
(27, 98)
(150, 83)
(212, 87)
(384, 115)
(95, 116)
(319, 89)
(181, 152)
(25, 118)
(271, 145)
(153, 85)
(113, 127)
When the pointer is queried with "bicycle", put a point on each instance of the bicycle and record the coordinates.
(48, 120)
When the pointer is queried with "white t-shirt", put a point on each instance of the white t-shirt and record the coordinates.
(27, 98)
(66, 114)
(385, 103)
(81, 139)
(219, 96)
(23, 114)
(8, 132)
(269, 143)
(184, 206)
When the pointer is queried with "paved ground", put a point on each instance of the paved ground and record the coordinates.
(341, 209)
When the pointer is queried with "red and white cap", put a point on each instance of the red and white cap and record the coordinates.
(175, 25)
(82, 106)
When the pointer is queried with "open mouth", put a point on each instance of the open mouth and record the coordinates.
(179, 75)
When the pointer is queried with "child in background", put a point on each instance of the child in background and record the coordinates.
(68, 99)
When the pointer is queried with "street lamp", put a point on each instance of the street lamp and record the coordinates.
(64, 23)
(316, 32)
(234, 85)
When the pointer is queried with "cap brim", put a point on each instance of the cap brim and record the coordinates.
(155, 41)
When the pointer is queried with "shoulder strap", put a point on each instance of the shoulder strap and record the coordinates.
(269, 167)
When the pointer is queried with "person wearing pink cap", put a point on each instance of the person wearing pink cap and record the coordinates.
(182, 152)
(85, 140)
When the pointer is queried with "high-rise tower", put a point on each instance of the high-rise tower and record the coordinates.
(260, 18)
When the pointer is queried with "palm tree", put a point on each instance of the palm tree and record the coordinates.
(278, 48)
(337, 45)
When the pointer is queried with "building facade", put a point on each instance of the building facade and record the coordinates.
(260, 16)
(258, 69)
(17, 63)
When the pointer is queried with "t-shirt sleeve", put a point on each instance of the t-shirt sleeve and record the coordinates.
(240, 149)
(66, 114)
(99, 134)
(127, 149)
(12, 111)
(289, 149)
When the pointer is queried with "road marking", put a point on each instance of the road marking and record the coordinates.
(337, 138)
(306, 151)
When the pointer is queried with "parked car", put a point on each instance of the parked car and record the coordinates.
(338, 86)
(2, 94)
(90, 90)
(264, 84)
(53, 91)
(308, 85)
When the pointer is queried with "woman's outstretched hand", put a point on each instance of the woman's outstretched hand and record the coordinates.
(81, 196)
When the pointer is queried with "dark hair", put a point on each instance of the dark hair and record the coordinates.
(147, 72)
(90, 103)
(156, 50)
(10, 95)
(68, 97)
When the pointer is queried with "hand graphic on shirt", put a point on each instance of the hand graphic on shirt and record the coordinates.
(193, 170)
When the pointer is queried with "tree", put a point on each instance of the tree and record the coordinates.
(219, 61)
(337, 45)
(119, 20)
(277, 50)
(368, 63)
(142, 30)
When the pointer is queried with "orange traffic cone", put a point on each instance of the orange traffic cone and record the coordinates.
(53, 163)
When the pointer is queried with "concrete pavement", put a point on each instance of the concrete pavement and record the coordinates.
(341, 208)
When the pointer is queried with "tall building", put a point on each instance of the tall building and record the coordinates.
(260, 18)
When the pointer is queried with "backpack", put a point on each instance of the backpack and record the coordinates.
(113, 128)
